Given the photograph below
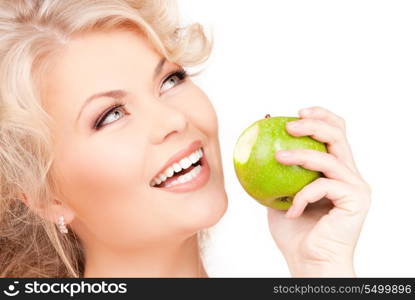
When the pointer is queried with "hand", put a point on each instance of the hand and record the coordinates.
(320, 240)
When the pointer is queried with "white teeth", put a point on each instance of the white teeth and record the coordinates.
(169, 172)
(177, 167)
(196, 170)
(194, 157)
(185, 163)
(162, 177)
(186, 177)
(182, 179)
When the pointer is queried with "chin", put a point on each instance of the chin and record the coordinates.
(206, 211)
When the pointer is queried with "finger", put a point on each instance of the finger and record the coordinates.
(323, 162)
(322, 131)
(323, 188)
(319, 113)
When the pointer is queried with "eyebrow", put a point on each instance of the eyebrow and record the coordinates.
(118, 94)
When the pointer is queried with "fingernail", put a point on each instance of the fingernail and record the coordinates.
(284, 154)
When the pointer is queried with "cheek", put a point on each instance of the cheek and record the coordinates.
(106, 168)
(105, 186)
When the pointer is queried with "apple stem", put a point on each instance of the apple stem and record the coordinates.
(267, 116)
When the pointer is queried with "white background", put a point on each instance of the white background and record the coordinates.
(354, 57)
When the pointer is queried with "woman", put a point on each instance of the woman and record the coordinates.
(100, 129)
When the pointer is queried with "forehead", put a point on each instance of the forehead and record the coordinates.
(96, 61)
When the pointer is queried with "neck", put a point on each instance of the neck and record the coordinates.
(176, 259)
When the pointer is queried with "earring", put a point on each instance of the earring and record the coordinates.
(61, 225)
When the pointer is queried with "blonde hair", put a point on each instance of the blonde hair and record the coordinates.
(31, 31)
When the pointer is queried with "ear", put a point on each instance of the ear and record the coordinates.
(51, 211)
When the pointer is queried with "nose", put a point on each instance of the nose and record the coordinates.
(166, 121)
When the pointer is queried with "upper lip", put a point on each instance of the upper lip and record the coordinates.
(192, 147)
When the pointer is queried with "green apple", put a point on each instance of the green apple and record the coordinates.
(260, 174)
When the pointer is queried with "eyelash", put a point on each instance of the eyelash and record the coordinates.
(181, 75)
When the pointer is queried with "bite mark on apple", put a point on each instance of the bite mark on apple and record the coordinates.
(245, 144)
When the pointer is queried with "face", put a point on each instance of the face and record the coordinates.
(108, 149)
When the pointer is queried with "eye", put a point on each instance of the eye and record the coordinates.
(173, 79)
(110, 116)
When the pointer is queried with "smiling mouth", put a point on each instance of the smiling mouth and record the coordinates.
(180, 172)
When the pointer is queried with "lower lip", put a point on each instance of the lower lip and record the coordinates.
(196, 183)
